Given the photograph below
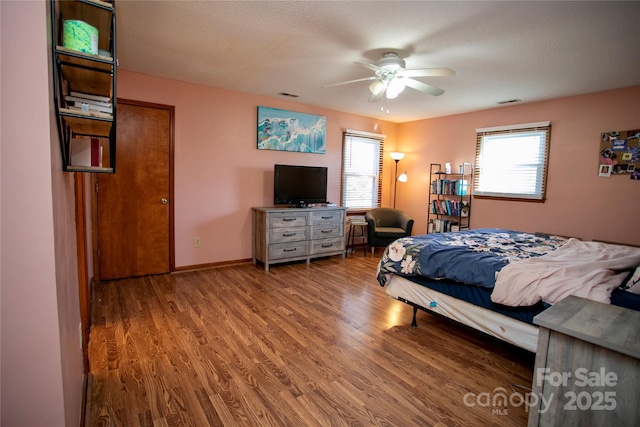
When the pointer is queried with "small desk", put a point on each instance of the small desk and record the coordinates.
(353, 224)
(587, 365)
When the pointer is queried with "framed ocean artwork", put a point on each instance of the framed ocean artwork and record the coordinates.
(284, 130)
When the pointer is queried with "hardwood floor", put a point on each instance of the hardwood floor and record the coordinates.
(317, 345)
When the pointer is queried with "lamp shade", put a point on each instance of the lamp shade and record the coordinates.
(377, 87)
(403, 177)
(396, 86)
(396, 155)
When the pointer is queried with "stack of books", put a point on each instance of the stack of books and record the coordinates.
(450, 207)
(442, 226)
(357, 219)
(89, 103)
(449, 186)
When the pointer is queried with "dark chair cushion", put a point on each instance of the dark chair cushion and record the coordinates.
(385, 225)
(390, 232)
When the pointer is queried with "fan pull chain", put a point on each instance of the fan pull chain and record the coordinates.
(382, 107)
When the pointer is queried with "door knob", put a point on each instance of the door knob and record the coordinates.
(164, 201)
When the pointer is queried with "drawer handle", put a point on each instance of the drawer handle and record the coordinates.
(290, 250)
(288, 234)
(327, 245)
(288, 219)
(327, 217)
(326, 231)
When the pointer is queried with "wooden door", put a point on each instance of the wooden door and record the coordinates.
(134, 204)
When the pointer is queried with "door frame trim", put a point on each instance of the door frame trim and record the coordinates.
(84, 290)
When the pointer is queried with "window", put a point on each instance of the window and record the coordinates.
(511, 162)
(362, 169)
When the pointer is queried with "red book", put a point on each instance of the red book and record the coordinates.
(95, 152)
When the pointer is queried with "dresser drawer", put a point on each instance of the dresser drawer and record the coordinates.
(326, 232)
(288, 250)
(326, 217)
(285, 219)
(288, 234)
(297, 234)
(327, 245)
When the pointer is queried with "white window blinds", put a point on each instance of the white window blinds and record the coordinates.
(511, 161)
(362, 169)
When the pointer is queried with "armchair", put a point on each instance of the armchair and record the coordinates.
(385, 225)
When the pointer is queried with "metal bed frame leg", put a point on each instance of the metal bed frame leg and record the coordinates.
(415, 306)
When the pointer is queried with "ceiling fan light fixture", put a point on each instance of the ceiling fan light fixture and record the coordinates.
(396, 86)
(391, 94)
(377, 87)
(391, 76)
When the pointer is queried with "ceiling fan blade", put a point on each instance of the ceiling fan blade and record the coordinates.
(427, 72)
(423, 87)
(352, 81)
(370, 66)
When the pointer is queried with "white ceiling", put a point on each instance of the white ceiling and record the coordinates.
(500, 50)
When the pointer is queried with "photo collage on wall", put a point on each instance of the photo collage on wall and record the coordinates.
(620, 154)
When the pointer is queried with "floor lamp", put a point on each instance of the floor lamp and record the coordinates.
(397, 156)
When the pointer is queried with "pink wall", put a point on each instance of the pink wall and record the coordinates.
(42, 373)
(579, 203)
(219, 172)
(219, 176)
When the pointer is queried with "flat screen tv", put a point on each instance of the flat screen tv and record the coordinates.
(299, 186)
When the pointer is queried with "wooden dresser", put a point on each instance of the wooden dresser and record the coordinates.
(293, 234)
(587, 369)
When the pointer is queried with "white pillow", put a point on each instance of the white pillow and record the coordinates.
(632, 283)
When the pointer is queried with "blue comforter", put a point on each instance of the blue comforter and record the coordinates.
(472, 256)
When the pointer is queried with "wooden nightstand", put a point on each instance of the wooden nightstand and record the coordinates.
(587, 369)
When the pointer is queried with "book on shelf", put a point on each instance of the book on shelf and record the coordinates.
(89, 101)
(90, 96)
(89, 107)
(450, 207)
(448, 186)
(442, 226)
(85, 152)
(443, 186)
(357, 219)
(92, 113)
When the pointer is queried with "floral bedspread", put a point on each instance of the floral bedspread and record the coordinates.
(472, 256)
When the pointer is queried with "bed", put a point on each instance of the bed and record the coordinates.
(497, 281)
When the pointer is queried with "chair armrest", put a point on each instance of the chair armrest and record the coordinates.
(409, 228)
(371, 228)
(406, 223)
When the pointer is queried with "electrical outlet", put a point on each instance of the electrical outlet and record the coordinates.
(196, 242)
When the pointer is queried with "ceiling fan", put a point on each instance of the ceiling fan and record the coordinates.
(391, 77)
